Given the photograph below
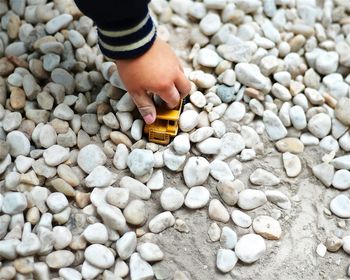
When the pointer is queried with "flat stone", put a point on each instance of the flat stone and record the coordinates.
(278, 198)
(228, 192)
(263, 177)
(100, 177)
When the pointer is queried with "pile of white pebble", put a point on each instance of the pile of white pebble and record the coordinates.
(275, 68)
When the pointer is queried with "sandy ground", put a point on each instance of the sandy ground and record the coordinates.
(304, 226)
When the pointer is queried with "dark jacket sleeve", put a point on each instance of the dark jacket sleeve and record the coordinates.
(125, 28)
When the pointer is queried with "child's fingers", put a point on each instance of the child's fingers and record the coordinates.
(171, 96)
(145, 106)
(183, 85)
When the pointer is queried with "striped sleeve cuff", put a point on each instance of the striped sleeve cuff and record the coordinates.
(129, 42)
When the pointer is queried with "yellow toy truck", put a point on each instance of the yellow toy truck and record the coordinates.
(165, 126)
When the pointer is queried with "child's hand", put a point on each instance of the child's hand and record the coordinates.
(156, 71)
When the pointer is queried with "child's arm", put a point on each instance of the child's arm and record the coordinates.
(145, 63)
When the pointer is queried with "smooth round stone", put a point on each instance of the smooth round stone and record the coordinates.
(309, 140)
(126, 245)
(56, 202)
(188, 120)
(342, 111)
(55, 155)
(100, 177)
(135, 187)
(69, 274)
(208, 58)
(140, 269)
(76, 38)
(341, 179)
(63, 237)
(226, 93)
(64, 78)
(121, 157)
(51, 61)
(201, 134)
(340, 206)
(220, 170)
(210, 146)
(241, 219)
(90, 123)
(150, 252)
(118, 197)
(250, 75)
(214, 232)
(63, 112)
(60, 259)
(327, 62)
(96, 233)
(342, 162)
(210, 24)
(140, 161)
(290, 144)
(198, 99)
(228, 238)
(196, 171)
(197, 197)
(320, 125)
(57, 23)
(250, 248)
(228, 191)
(137, 129)
(267, 227)
(90, 157)
(292, 164)
(99, 256)
(324, 172)
(297, 117)
(12, 121)
(181, 144)
(14, 203)
(171, 199)
(156, 182)
(161, 222)
(250, 199)
(218, 212)
(346, 244)
(89, 271)
(329, 144)
(136, 213)
(172, 160)
(274, 127)
(235, 112)
(278, 198)
(263, 177)
(19, 143)
(226, 260)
